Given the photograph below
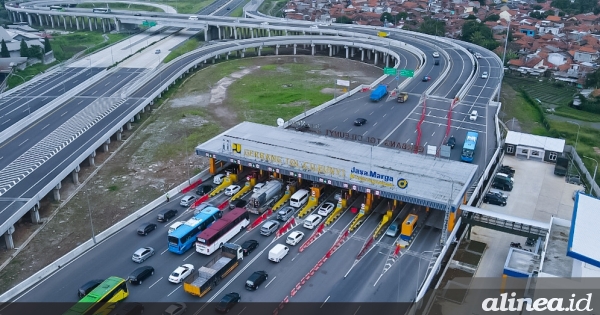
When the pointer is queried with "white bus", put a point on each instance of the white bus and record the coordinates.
(223, 230)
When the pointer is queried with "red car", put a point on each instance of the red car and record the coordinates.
(426, 78)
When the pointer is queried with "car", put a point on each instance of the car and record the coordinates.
(218, 179)
(232, 190)
(499, 193)
(451, 142)
(142, 254)
(146, 228)
(228, 301)
(157, 51)
(326, 209)
(228, 8)
(88, 287)
(128, 308)
(269, 227)
(303, 126)
(140, 274)
(426, 78)
(314, 27)
(239, 203)
(154, 15)
(477, 55)
(137, 14)
(392, 230)
(494, 199)
(175, 309)
(360, 121)
(175, 226)
(338, 196)
(201, 207)
(256, 279)
(436, 54)
(484, 75)
(257, 187)
(264, 23)
(473, 116)
(187, 200)
(285, 213)
(294, 238)
(166, 214)
(204, 189)
(436, 63)
(248, 246)
(503, 185)
(181, 272)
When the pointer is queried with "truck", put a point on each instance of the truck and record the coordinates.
(378, 93)
(402, 97)
(260, 200)
(562, 165)
(201, 281)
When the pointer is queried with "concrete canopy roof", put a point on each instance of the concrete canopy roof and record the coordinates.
(583, 239)
(391, 173)
(541, 142)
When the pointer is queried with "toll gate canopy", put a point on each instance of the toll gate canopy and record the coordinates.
(390, 173)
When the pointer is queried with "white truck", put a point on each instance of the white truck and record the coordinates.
(277, 253)
(260, 200)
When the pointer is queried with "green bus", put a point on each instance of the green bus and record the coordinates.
(102, 299)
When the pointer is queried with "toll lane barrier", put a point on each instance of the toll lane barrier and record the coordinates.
(336, 214)
(286, 227)
(191, 187)
(258, 221)
(365, 247)
(397, 250)
(313, 237)
(223, 205)
(199, 201)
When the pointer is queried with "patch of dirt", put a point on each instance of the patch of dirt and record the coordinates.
(597, 150)
(132, 175)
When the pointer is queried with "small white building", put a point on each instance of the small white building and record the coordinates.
(531, 146)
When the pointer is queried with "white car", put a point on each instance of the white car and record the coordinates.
(232, 190)
(187, 200)
(477, 55)
(175, 309)
(484, 75)
(294, 238)
(473, 116)
(257, 187)
(218, 179)
(314, 27)
(264, 23)
(436, 54)
(181, 273)
(326, 209)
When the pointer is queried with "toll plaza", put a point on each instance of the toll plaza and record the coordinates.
(372, 172)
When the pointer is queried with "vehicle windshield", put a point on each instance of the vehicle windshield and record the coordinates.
(175, 274)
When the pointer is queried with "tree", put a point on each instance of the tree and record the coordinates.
(35, 51)
(561, 13)
(492, 17)
(537, 7)
(24, 50)
(386, 17)
(482, 2)
(344, 20)
(4, 53)
(402, 16)
(593, 79)
(550, 13)
(471, 17)
(432, 27)
(47, 46)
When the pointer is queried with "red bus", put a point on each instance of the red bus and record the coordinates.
(222, 231)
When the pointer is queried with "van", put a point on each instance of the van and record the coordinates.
(175, 225)
(506, 177)
(166, 214)
(193, 18)
(269, 227)
(277, 253)
(300, 198)
(140, 274)
(312, 221)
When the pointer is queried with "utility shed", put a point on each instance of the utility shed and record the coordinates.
(531, 146)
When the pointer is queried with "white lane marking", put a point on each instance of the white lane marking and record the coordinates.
(45, 98)
(241, 310)
(174, 290)
(46, 126)
(164, 251)
(325, 301)
(295, 256)
(23, 142)
(64, 113)
(26, 110)
(345, 119)
(80, 102)
(271, 281)
(371, 113)
(384, 115)
(150, 287)
(6, 122)
(189, 256)
(237, 239)
(356, 311)
(381, 275)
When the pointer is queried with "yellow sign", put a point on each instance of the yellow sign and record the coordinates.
(371, 180)
(297, 164)
(402, 183)
(236, 147)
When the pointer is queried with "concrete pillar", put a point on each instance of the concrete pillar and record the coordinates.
(330, 50)
(91, 159)
(219, 32)
(75, 174)
(29, 19)
(71, 22)
(276, 49)
(41, 20)
(103, 27)
(128, 125)
(387, 60)
(295, 48)
(96, 22)
(368, 55)
(52, 20)
(362, 55)
(352, 51)
(56, 192)
(312, 47)
(259, 49)
(90, 24)
(137, 116)
(243, 52)
(105, 145)
(269, 32)
(77, 22)
(117, 26)
(64, 22)
(8, 237)
(227, 55)
(35, 214)
(235, 36)
(251, 33)
(376, 58)
(347, 51)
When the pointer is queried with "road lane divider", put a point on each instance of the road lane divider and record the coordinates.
(263, 217)
(286, 227)
(313, 237)
(191, 187)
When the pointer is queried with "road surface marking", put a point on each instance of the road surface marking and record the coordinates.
(64, 113)
(174, 290)
(381, 275)
(107, 83)
(118, 76)
(345, 119)
(45, 98)
(270, 282)
(23, 142)
(75, 81)
(164, 251)
(241, 311)
(27, 110)
(356, 311)
(245, 232)
(325, 301)
(6, 122)
(292, 258)
(371, 113)
(80, 102)
(46, 126)
(150, 287)
(433, 133)
(1, 157)
(188, 256)
(374, 124)
(94, 92)
(384, 115)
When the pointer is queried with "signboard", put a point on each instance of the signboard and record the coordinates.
(343, 82)
(390, 71)
(148, 23)
(407, 73)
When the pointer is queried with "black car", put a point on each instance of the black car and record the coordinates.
(128, 309)
(228, 301)
(154, 16)
(360, 121)
(451, 142)
(256, 279)
(204, 189)
(494, 199)
(139, 275)
(437, 62)
(166, 214)
(302, 126)
(137, 14)
(470, 50)
(88, 287)
(503, 185)
(239, 203)
(248, 246)
(146, 228)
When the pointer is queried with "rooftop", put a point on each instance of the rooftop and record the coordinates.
(583, 244)
(546, 143)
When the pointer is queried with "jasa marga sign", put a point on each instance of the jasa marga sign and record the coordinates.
(372, 177)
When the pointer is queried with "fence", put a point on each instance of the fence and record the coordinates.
(581, 167)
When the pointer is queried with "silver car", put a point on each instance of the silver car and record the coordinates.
(142, 254)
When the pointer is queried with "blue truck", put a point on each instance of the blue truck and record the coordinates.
(378, 93)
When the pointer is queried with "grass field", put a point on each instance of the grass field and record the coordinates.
(272, 7)
(551, 94)
(184, 6)
(187, 46)
(120, 6)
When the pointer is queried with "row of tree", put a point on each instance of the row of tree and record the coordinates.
(33, 51)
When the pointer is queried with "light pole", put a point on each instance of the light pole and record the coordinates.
(593, 177)
(504, 57)
(444, 235)
(90, 211)
(576, 140)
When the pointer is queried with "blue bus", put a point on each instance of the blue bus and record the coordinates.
(469, 146)
(184, 237)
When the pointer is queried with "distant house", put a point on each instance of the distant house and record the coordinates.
(586, 54)
(527, 30)
(531, 146)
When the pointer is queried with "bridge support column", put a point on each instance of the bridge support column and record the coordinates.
(103, 27)
(352, 51)
(128, 125)
(41, 20)
(330, 50)
(71, 22)
(387, 60)
(77, 22)
(235, 35)
(64, 22)
(90, 24)
(56, 192)
(105, 145)
(220, 36)
(295, 48)
(91, 159)
(35, 214)
(120, 134)
(259, 50)
(347, 51)
(8, 239)
(227, 55)
(269, 33)
(29, 19)
(117, 22)
(137, 116)
(96, 23)
(251, 33)
(75, 175)
(368, 55)
(243, 52)
(52, 20)
(276, 49)
(362, 54)
(312, 49)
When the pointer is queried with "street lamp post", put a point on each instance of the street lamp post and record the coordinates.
(594, 176)
(576, 139)
(504, 56)
(90, 212)
(444, 236)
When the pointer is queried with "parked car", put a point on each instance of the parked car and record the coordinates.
(232, 190)
(166, 214)
(187, 200)
(228, 301)
(256, 279)
(140, 274)
(180, 273)
(142, 254)
(451, 142)
(392, 230)
(294, 238)
(248, 246)
(146, 228)
(86, 288)
(501, 184)
(360, 121)
(175, 309)
(326, 209)
(473, 116)
(494, 199)
(499, 193)
(257, 187)
(436, 54)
